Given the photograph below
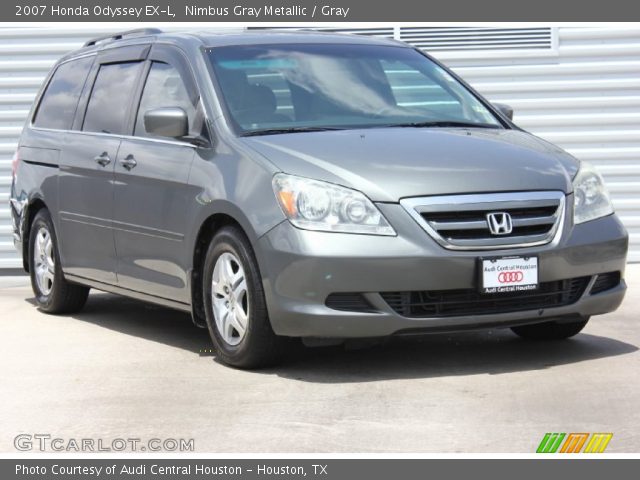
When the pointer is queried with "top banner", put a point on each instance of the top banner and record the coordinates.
(272, 11)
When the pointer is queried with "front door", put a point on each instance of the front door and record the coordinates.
(151, 186)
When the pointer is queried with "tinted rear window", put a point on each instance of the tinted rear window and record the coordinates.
(60, 100)
(111, 98)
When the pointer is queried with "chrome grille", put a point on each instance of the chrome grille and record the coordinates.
(460, 222)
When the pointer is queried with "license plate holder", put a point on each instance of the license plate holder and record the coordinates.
(508, 274)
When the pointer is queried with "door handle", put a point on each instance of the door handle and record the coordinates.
(103, 159)
(128, 162)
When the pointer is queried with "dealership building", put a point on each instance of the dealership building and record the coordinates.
(576, 87)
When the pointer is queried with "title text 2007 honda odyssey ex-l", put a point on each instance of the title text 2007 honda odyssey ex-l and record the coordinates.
(322, 186)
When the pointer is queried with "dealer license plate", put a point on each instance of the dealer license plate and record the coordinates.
(508, 274)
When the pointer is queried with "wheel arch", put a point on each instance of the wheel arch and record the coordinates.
(225, 215)
(32, 208)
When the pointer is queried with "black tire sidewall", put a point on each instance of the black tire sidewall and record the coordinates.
(553, 330)
(232, 240)
(43, 219)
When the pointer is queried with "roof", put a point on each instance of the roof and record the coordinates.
(215, 39)
(263, 37)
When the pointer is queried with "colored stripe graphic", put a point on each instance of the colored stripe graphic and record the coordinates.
(598, 442)
(574, 442)
(550, 443)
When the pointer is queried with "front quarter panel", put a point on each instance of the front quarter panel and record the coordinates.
(230, 180)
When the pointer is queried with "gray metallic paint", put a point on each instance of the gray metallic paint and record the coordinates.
(149, 224)
(85, 210)
(151, 216)
(169, 122)
(331, 262)
(388, 164)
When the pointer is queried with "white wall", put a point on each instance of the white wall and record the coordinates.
(585, 98)
(583, 94)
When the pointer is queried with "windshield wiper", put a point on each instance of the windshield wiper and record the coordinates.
(430, 124)
(443, 124)
(275, 131)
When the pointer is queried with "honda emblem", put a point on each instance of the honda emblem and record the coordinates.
(499, 223)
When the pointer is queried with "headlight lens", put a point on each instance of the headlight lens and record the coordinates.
(315, 205)
(591, 196)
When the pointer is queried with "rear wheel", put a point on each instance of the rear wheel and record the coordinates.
(551, 330)
(235, 306)
(53, 293)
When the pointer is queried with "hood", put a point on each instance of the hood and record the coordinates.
(388, 164)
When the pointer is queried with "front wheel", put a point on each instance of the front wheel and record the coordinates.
(234, 303)
(550, 330)
(53, 293)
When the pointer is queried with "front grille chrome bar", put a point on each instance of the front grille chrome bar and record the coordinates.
(459, 222)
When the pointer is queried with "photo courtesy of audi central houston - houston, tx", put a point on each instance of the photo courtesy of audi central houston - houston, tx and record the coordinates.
(289, 186)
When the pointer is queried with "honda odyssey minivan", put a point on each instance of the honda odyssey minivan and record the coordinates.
(287, 185)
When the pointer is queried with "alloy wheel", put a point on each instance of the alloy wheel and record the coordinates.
(43, 261)
(230, 298)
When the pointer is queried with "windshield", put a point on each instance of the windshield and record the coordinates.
(272, 89)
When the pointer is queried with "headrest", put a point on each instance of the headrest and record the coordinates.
(260, 98)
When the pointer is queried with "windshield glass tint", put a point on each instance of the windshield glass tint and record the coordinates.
(339, 86)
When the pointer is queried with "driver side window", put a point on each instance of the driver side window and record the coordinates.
(165, 87)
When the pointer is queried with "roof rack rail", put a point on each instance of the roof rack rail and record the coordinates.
(119, 36)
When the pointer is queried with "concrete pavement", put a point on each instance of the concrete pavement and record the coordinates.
(124, 369)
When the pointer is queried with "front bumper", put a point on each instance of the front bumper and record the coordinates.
(300, 269)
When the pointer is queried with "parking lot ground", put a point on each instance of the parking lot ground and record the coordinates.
(124, 369)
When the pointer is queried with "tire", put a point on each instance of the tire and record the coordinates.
(53, 293)
(235, 309)
(550, 330)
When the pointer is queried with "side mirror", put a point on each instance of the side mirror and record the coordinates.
(169, 122)
(504, 109)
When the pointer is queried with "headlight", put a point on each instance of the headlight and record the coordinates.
(315, 205)
(591, 196)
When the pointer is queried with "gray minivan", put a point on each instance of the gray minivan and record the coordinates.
(290, 185)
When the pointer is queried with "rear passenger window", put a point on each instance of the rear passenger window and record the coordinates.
(111, 97)
(166, 88)
(60, 100)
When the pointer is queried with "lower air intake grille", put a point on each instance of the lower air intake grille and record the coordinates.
(605, 281)
(349, 302)
(449, 303)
